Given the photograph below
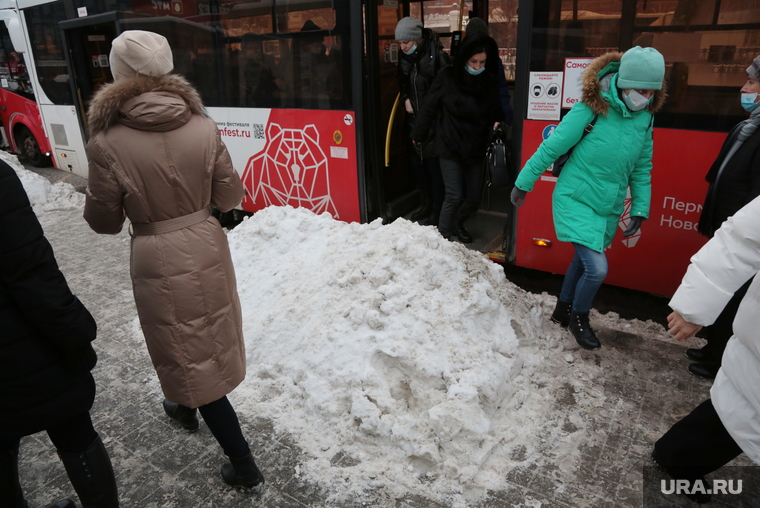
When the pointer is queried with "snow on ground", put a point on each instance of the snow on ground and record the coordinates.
(43, 195)
(403, 362)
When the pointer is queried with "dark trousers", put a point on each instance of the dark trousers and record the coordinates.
(462, 182)
(696, 445)
(72, 436)
(427, 173)
(722, 329)
(223, 423)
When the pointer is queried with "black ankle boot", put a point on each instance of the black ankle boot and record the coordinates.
(243, 473)
(91, 474)
(432, 219)
(561, 313)
(423, 212)
(10, 488)
(584, 335)
(64, 503)
(186, 417)
(461, 232)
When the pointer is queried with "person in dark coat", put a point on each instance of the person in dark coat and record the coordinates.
(478, 26)
(734, 180)
(463, 108)
(421, 58)
(257, 88)
(45, 359)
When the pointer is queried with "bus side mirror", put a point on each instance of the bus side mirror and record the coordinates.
(16, 32)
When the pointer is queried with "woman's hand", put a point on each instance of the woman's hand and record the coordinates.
(680, 328)
(415, 143)
(496, 125)
(408, 106)
(518, 197)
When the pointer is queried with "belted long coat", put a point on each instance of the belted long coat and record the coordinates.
(155, 155)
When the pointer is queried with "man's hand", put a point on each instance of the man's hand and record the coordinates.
(408, 106)
(680, 328)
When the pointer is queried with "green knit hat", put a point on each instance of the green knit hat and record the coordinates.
(642, 69)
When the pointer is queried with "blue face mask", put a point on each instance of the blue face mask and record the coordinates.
(635, 101)
(472, 71)
(414, 48)
(748, 102)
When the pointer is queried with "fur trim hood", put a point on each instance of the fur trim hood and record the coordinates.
(593, 90)
(108, 101)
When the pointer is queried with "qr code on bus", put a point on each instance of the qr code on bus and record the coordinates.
(258, 131)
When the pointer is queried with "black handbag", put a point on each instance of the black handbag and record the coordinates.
(498, 161)
(562, 159)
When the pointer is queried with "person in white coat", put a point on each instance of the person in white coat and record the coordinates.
(728, 423)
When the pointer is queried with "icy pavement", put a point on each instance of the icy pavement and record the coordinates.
(574, 428)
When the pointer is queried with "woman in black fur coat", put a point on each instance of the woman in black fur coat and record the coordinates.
(463, 104)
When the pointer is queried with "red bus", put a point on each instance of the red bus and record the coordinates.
(23, 129)
(317, 133)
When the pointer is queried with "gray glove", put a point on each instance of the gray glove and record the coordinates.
(633, 226)
(518, 196)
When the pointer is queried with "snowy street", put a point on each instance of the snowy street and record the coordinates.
(385, 367)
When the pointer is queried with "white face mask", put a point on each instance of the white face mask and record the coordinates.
(635, 101)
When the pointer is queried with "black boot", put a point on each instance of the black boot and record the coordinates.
(461, 232)
(64, 503)
(91, 474)
(582, 331)
(697, 355)
(186, 417)
(705, 370)
(243, 473)
(561, 313)
(432, 219)
(423, 212)
(10, 489)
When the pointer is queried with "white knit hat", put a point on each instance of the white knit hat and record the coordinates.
(137, 52)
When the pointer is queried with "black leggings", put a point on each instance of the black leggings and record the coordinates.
(74, 435)
(223, 423)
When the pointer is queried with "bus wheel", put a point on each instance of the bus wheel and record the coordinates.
(28, 148)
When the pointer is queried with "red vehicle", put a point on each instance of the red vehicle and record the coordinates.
(707, 49)
(19, 113)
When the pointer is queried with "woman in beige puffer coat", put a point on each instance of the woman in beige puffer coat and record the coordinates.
(157, 158)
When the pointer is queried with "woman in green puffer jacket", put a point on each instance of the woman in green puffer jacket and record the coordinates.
(622, 92)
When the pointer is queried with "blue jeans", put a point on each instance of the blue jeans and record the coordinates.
(584, 277)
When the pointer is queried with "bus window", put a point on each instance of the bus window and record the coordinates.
(275, 53)
(706, 62)
(47, 49)
(247, 17)
(13, 74)
(502, 25)
(293, 14)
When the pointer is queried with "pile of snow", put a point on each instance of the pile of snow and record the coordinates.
(43, 195)
(384, 347)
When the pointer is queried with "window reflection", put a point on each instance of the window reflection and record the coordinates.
(267, 53)
(47, 49)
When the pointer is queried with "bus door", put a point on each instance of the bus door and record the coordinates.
(397, 185)
(88, 46)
